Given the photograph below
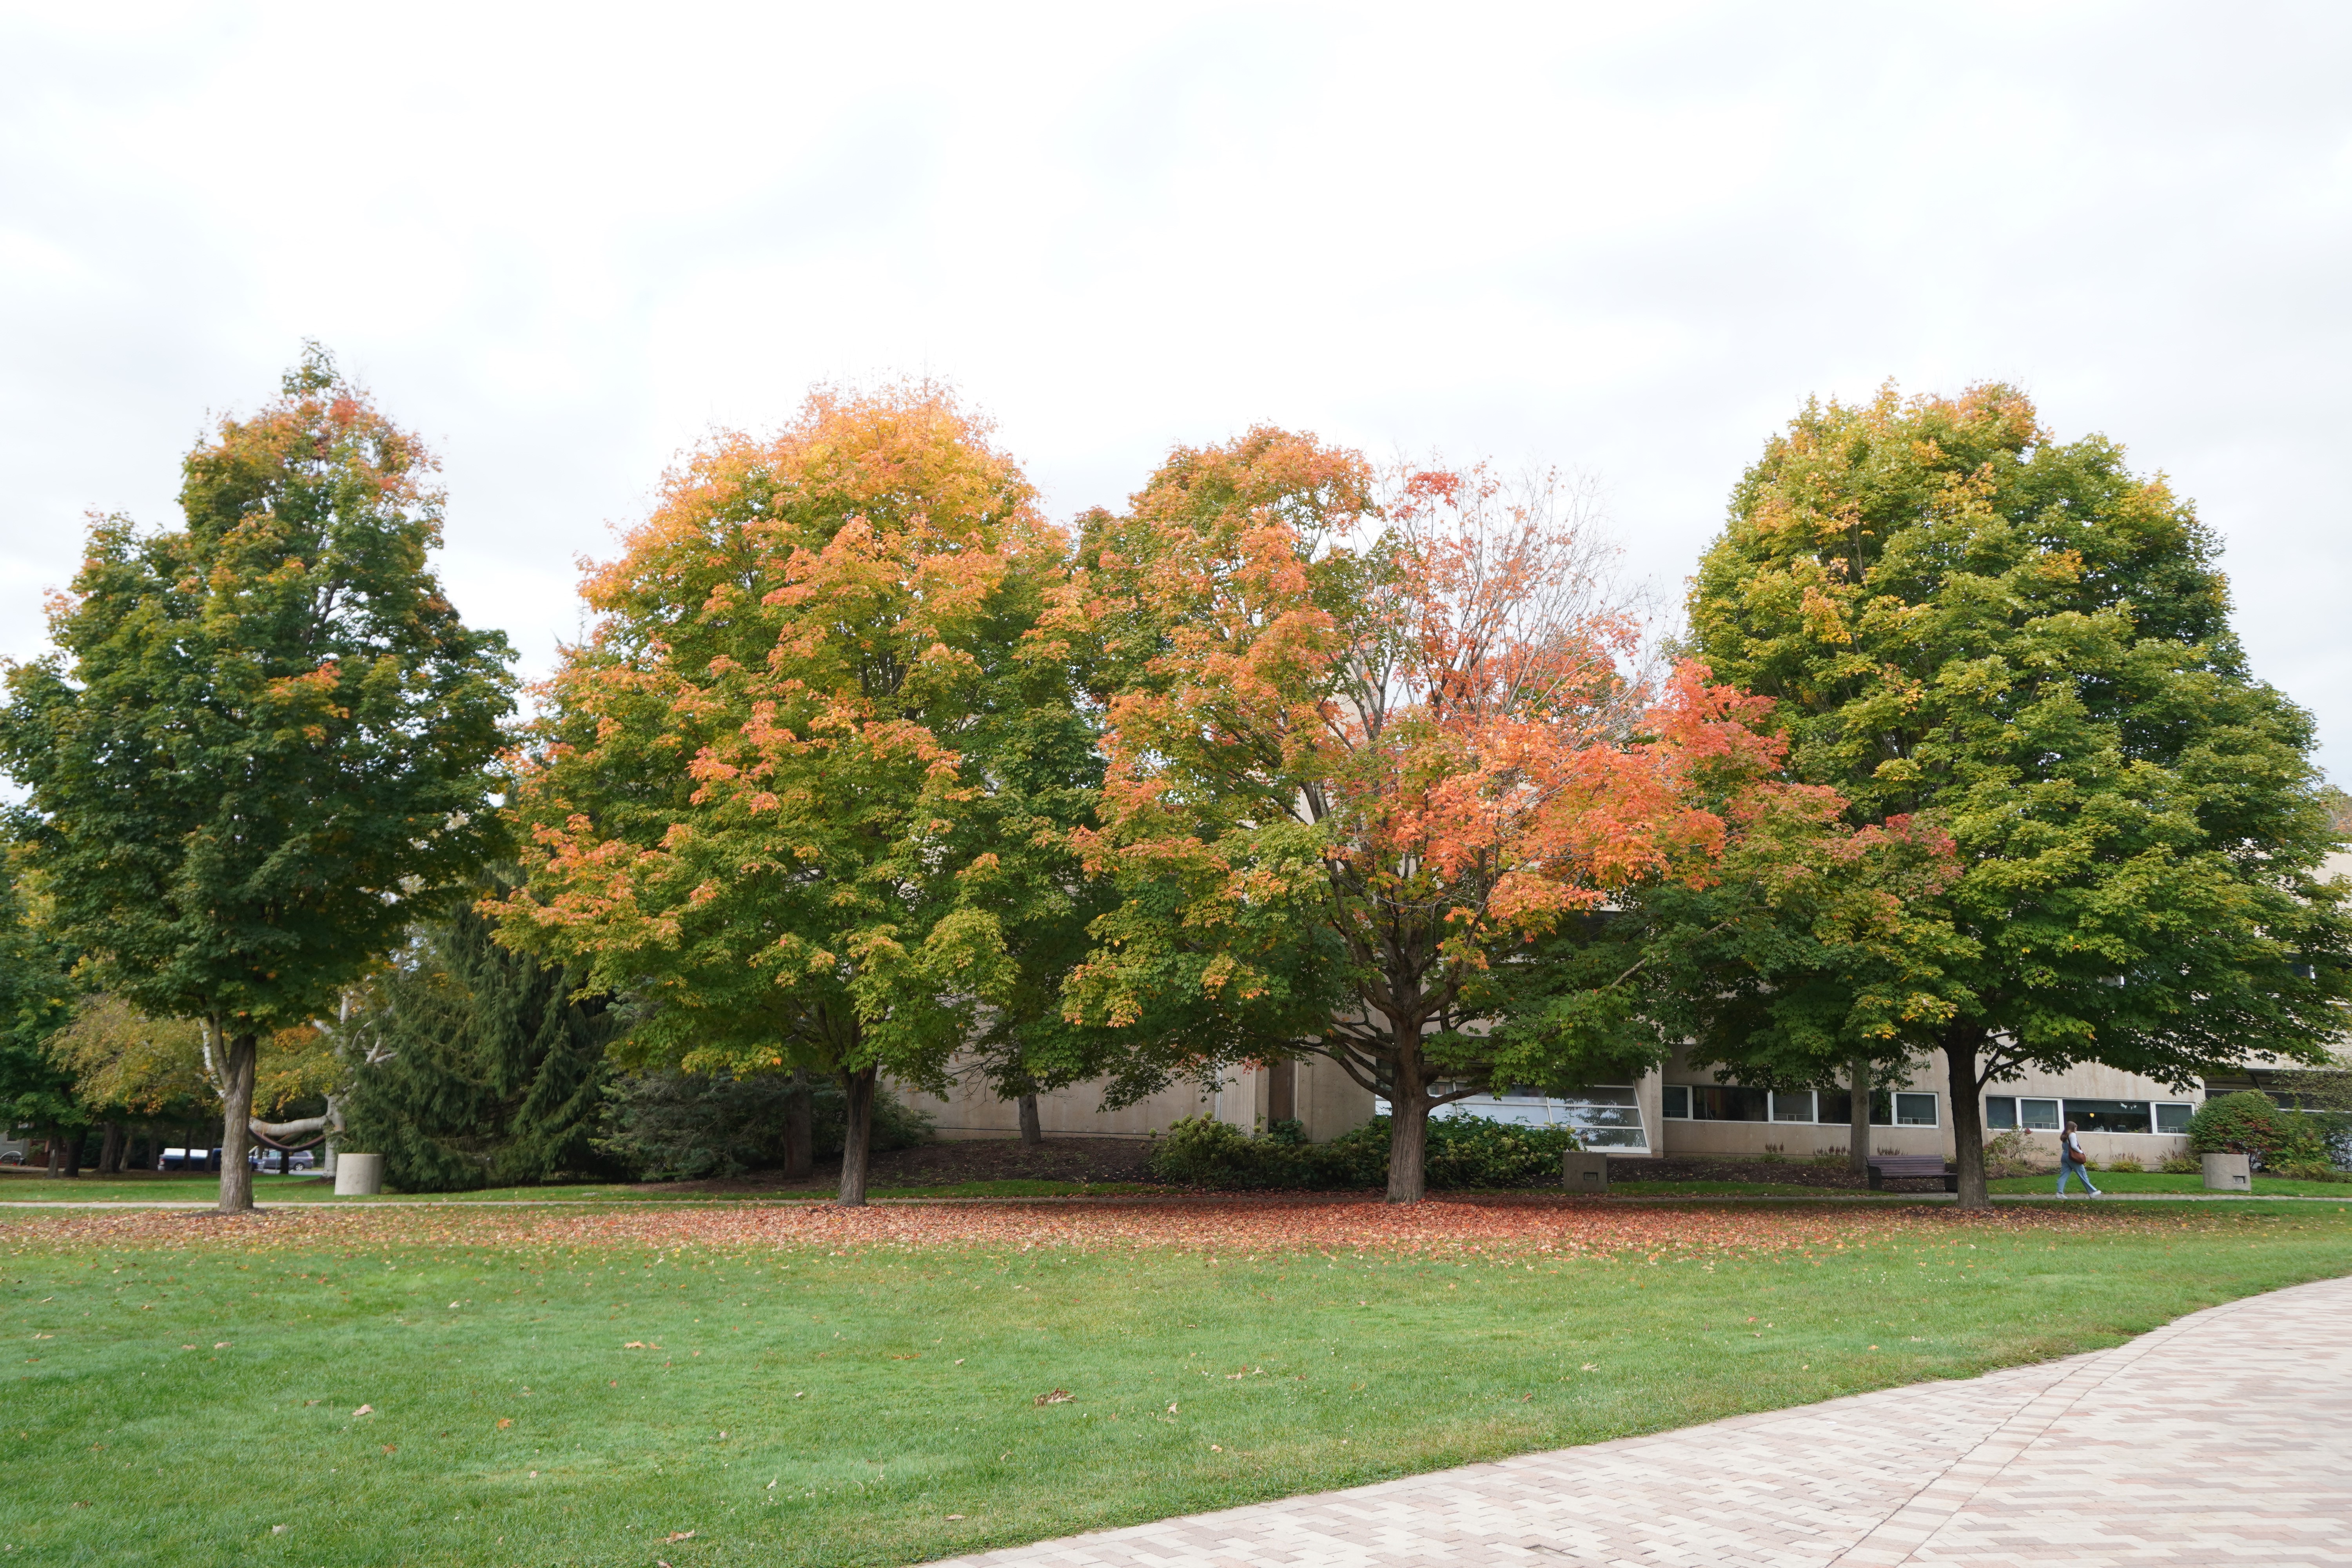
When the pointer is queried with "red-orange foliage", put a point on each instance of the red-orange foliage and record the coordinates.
(1377, 747)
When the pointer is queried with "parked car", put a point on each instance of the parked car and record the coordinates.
(267, 1160)
(188, 1159)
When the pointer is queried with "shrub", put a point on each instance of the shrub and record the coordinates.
(2011, 1154)
(1464, 1151)
(2244, 1123)
(686, 1126)
(2310, 1169)
(2126, 1162)
(2182, 1165)
(1202, 1151)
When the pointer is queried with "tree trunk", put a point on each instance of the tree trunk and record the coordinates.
(856, 1136)
(800, 1127)
(1032, 1129)
(57, 1153)
(1857, 1154)
(1407, 1132)
(74, 1141)
(110, 1151)
(237, 1061)
(1967, 1117)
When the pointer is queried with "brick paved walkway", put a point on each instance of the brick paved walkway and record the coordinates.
(2223, 1437)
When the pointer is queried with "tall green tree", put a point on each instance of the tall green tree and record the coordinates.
(2022, 642)
(778, 801)
(265, 738)
(489, 1067)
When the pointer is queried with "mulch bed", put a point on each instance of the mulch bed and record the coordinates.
(950, 1160)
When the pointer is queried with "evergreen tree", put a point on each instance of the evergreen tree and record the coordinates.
(2027, 646)
(492, 1071)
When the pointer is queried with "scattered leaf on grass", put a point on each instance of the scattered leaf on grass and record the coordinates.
(364, 1410)
(1059, 1396)
(505, 1422)
(679, 1535)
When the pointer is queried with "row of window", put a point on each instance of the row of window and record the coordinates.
(2003, 1111)
(1609, 1117)
(1729, 1102)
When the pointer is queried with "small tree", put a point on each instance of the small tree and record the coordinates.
(36, 999)
(264, 738)
(771, 803)
(2022, 643)
(1376, 770)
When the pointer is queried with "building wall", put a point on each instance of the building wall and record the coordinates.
(1799, 1140)
(1326, 1099)
(1329, 1103)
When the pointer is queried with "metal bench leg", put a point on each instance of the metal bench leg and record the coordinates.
(1877, 1180)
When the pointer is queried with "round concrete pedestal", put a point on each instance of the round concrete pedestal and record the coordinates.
(2229, 1173)
(358, 1175)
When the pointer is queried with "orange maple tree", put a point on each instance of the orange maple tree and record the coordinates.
(1382, 750)
(770, 802)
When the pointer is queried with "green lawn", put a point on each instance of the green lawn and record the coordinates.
(180, 1394)
(2158, 1182)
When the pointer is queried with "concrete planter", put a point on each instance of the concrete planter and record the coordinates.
(1585, 1172)
(358, 1175)
(2229, 1173)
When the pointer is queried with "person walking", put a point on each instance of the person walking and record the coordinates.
(2073, 1163)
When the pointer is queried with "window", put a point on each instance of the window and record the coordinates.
(2174, 1117)
(1836, 1105)
(1797, 1107)
(1677, 1102)
(1604, 1118)
(1914, 1110)
(2111, 1115)
(2001, 1111)
(1728, 1102)
(2041, 1114)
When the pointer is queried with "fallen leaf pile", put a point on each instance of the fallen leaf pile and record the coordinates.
(1489, 1229)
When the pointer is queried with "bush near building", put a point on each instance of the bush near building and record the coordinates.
(1464, 1151)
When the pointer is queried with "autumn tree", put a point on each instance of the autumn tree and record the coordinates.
(1965, 620)
(265, 737)
(1379, 761)
(777, 801)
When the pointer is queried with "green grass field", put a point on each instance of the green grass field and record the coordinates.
(469, 1387)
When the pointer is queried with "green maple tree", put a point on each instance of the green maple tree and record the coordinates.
(2021, 641)
(265, 737)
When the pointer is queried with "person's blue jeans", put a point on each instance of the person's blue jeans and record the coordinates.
(2069, 1168)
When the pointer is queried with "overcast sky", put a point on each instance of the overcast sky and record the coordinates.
(562, 243)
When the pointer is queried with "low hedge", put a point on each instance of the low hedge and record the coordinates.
(1464, 1151)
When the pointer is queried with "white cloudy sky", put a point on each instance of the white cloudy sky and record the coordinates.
(563, 241)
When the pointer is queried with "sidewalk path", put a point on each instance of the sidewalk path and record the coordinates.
(2222, 1438)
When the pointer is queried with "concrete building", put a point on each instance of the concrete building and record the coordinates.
(1677, 1110)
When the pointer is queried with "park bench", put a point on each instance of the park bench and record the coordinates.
(1900, 1166)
